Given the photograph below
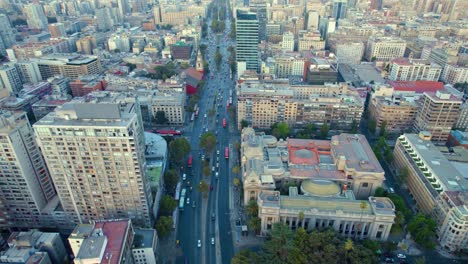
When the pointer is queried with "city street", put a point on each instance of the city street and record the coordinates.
(210, 220)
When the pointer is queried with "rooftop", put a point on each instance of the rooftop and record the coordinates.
(417, 86)
(143, 238)
(375, 205)
(116, 232)
(450, 178)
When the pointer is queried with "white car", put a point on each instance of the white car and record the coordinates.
(217, 164)
(199, 243)
(213, 169)
(212, 241)
(217, 151)
(188, 200)
(184, 177)
(217, 174)
(401, 256)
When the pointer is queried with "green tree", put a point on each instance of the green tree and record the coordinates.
(206, 170)
(383, 129)
(251, 208)
(403, 175)
(208, 141)
(279, 245)
(255, 224)
(232, 32)
(218, 59)
(400, 204)
(354, 127)
(203, 188)
(164, 225)
(235, 169)
(388, 155)
(300, 216)
(236, 182)
(178, 149)
(171, 178)
(372, 126)
(160, 118)
(206, 67)
(324, 131)
(246, 256)
(203, 48)
(379, 192)
(281, 130)
(167, 205)
(422, 228)
(421, 260)
(244, 123)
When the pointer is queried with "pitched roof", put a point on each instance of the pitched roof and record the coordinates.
(192, 72)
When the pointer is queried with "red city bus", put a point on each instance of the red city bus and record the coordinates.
(226, 152)
(190, 160)
(168, 132)
(224, 122)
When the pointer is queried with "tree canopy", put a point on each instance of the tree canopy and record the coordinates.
(320, 246)
(208, 141)
(422, 229)
(178, 149)
(281, 130)
(160, 118)
(167, 205)
(171, 178)
(164, 225)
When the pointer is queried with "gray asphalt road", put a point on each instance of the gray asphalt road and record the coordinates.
(194, 223)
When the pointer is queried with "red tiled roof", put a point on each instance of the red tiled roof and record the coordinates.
(417, 86)
(192, 72)
(315, 147)
(116, 232)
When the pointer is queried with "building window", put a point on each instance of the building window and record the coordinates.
(365, 185)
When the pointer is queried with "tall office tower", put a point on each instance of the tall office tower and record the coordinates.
(104, 19)
(6, 31)
(339, 9)
(288, 41)
(94, 147)
(57, 30)
(313, 20)
(124, 8)
(437, 114)
(259, 7)
(247, 39)
(35, 16)
(140, 6)
(26, 187)
(10, 78)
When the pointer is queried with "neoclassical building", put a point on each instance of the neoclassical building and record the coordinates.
(346, 159)
(326, 206)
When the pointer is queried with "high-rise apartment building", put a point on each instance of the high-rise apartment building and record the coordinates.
(247, 39)
(10, 78)
(35, 16)
(288, 41)
(27, 187)
(6, 31)
(437, 114)
(384, 48)
(313, 17)
(454, 74)
(94, 147)
(264, 104)
(404, 69)
(438, 186)
(86, 45)
(349, 52)
(104, 19)
(124, 8)
(139, 6)
(57, 30)
(29, 71)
